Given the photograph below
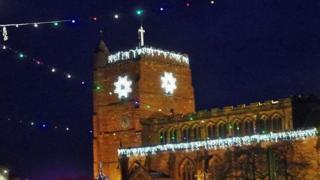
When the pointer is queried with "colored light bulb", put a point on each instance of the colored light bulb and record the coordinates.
(21, 55)
(139, 12)
(56, 24)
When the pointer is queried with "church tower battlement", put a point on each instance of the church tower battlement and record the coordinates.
(133, 85)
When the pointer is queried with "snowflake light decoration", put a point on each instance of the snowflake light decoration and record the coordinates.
(168, 83)
(123, 87)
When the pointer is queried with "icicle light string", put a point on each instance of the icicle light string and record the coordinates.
(221, 143)
(38, 62)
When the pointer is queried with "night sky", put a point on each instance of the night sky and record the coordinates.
(241, 52)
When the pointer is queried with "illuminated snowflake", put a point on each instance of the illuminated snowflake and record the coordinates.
(123, 87)
(168, 83)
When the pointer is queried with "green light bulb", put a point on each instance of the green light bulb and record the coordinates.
(139, 12)
(98, 87)
(21, 55)
(56, 24)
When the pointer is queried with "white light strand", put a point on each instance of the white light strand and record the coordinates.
(134, 53)
(34, 24)
(37, 23)
(5, 34)
(38, 62)
(220, 143)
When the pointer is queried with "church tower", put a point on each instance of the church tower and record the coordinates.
(130, 86)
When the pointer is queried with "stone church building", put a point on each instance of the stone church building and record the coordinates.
(144, 98)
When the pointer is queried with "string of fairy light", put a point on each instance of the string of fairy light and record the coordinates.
(40, 62)
(20, 55)
(139, 12)
(27, 123)
(56, 23)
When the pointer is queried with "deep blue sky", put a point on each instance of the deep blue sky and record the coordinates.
(241, 52)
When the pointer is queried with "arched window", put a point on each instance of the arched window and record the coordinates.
(237, 128)
(188, 171)
(196, 133)
(212, 131)
(222, 130)
(269, 125)
(248, 128)
(185, 137)
(163, 137)
(261, 125)
(162, 141)
(277, 123)
(173, 136)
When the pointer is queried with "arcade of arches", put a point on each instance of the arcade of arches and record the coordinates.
(250, 162)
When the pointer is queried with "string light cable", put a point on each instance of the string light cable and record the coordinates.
(41, 125)
(39, 62)
(5, 27)
(55, 22)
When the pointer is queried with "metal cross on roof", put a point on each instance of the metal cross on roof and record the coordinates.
(141, 32)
